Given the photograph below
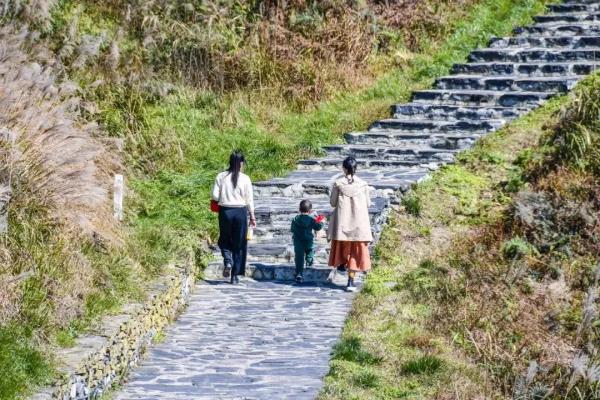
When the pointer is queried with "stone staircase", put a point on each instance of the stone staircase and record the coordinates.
(498, 84)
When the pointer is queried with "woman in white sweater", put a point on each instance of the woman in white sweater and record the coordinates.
(233, 191)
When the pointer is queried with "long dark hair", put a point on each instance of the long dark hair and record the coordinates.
(350, 165)
(235, 166)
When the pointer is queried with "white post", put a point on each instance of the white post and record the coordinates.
(5, 192)
(4, 200)
(118, 197)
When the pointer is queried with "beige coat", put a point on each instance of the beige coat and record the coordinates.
(350, 218)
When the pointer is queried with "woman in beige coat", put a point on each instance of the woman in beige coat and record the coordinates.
(350, 225)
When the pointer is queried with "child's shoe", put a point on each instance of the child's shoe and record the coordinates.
(351, 287)
(299, 279)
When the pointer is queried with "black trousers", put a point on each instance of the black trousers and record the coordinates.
(233, 228)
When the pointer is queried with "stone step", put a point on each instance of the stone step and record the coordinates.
(385, 182)
(506, 83)
(373, 140)
(567, 17)
(454, 113)
(526, 69)
(545, 41)
(378, 151)
(574, 7)
(275, 214)
(534, 54)
(264, 271)
(280, 233)
(481, 98)
(272, 209)
(335, 164)
(559, 29)
(428, 126)
(282, 251)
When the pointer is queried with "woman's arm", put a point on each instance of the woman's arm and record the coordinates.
(249, 196)
(333, 197)
(216, 190)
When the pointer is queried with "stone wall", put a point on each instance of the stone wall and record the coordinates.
(98, 361)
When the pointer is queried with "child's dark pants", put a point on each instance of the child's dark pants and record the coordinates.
(304, 251)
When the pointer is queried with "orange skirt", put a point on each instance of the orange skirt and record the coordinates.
(354, 255)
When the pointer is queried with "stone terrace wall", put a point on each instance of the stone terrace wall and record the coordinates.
(98, 361)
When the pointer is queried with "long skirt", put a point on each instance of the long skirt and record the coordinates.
(354, 255)
(233, 228)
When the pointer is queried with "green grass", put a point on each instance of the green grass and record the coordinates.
(426, 364)
(350, 349)
(21, 362)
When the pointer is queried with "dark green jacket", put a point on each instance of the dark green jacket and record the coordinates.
(303, 226)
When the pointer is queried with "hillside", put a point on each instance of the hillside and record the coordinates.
(162, 91)
(488, 278)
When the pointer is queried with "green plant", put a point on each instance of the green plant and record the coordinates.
(350, 349)
(412, 204)
(365, 378)
(22, 364)
(427, 364)
(516, 249)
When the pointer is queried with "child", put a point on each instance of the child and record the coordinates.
(303, 226)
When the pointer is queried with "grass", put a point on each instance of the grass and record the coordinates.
(401, 324)
(426, 364)
(21, 362)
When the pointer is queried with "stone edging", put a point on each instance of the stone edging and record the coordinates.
(93, 367)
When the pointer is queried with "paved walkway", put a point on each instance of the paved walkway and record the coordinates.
(258, 341)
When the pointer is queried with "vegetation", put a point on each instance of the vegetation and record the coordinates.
(173, 87)
(494, 296)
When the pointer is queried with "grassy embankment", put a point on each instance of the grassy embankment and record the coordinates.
(175, 143)
(486, 283)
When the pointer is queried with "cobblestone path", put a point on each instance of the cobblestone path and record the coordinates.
(271, 341)
(256, 340)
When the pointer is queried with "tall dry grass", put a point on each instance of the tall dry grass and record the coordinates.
(59, 156)
(33, 12)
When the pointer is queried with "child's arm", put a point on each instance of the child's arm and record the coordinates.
(293, 226)
(318, 222)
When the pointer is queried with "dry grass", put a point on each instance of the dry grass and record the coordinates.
(36, 13)
(48, 147)
(302, 50)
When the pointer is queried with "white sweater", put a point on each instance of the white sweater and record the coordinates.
(229, 196)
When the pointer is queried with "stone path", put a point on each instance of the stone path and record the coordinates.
(262, 340)
(287, 332)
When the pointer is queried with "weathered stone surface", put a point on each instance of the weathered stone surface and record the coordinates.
(546, 41)
(539, 54)
(560, 29)
(256, 340)
(514, 83)
(526, 69)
